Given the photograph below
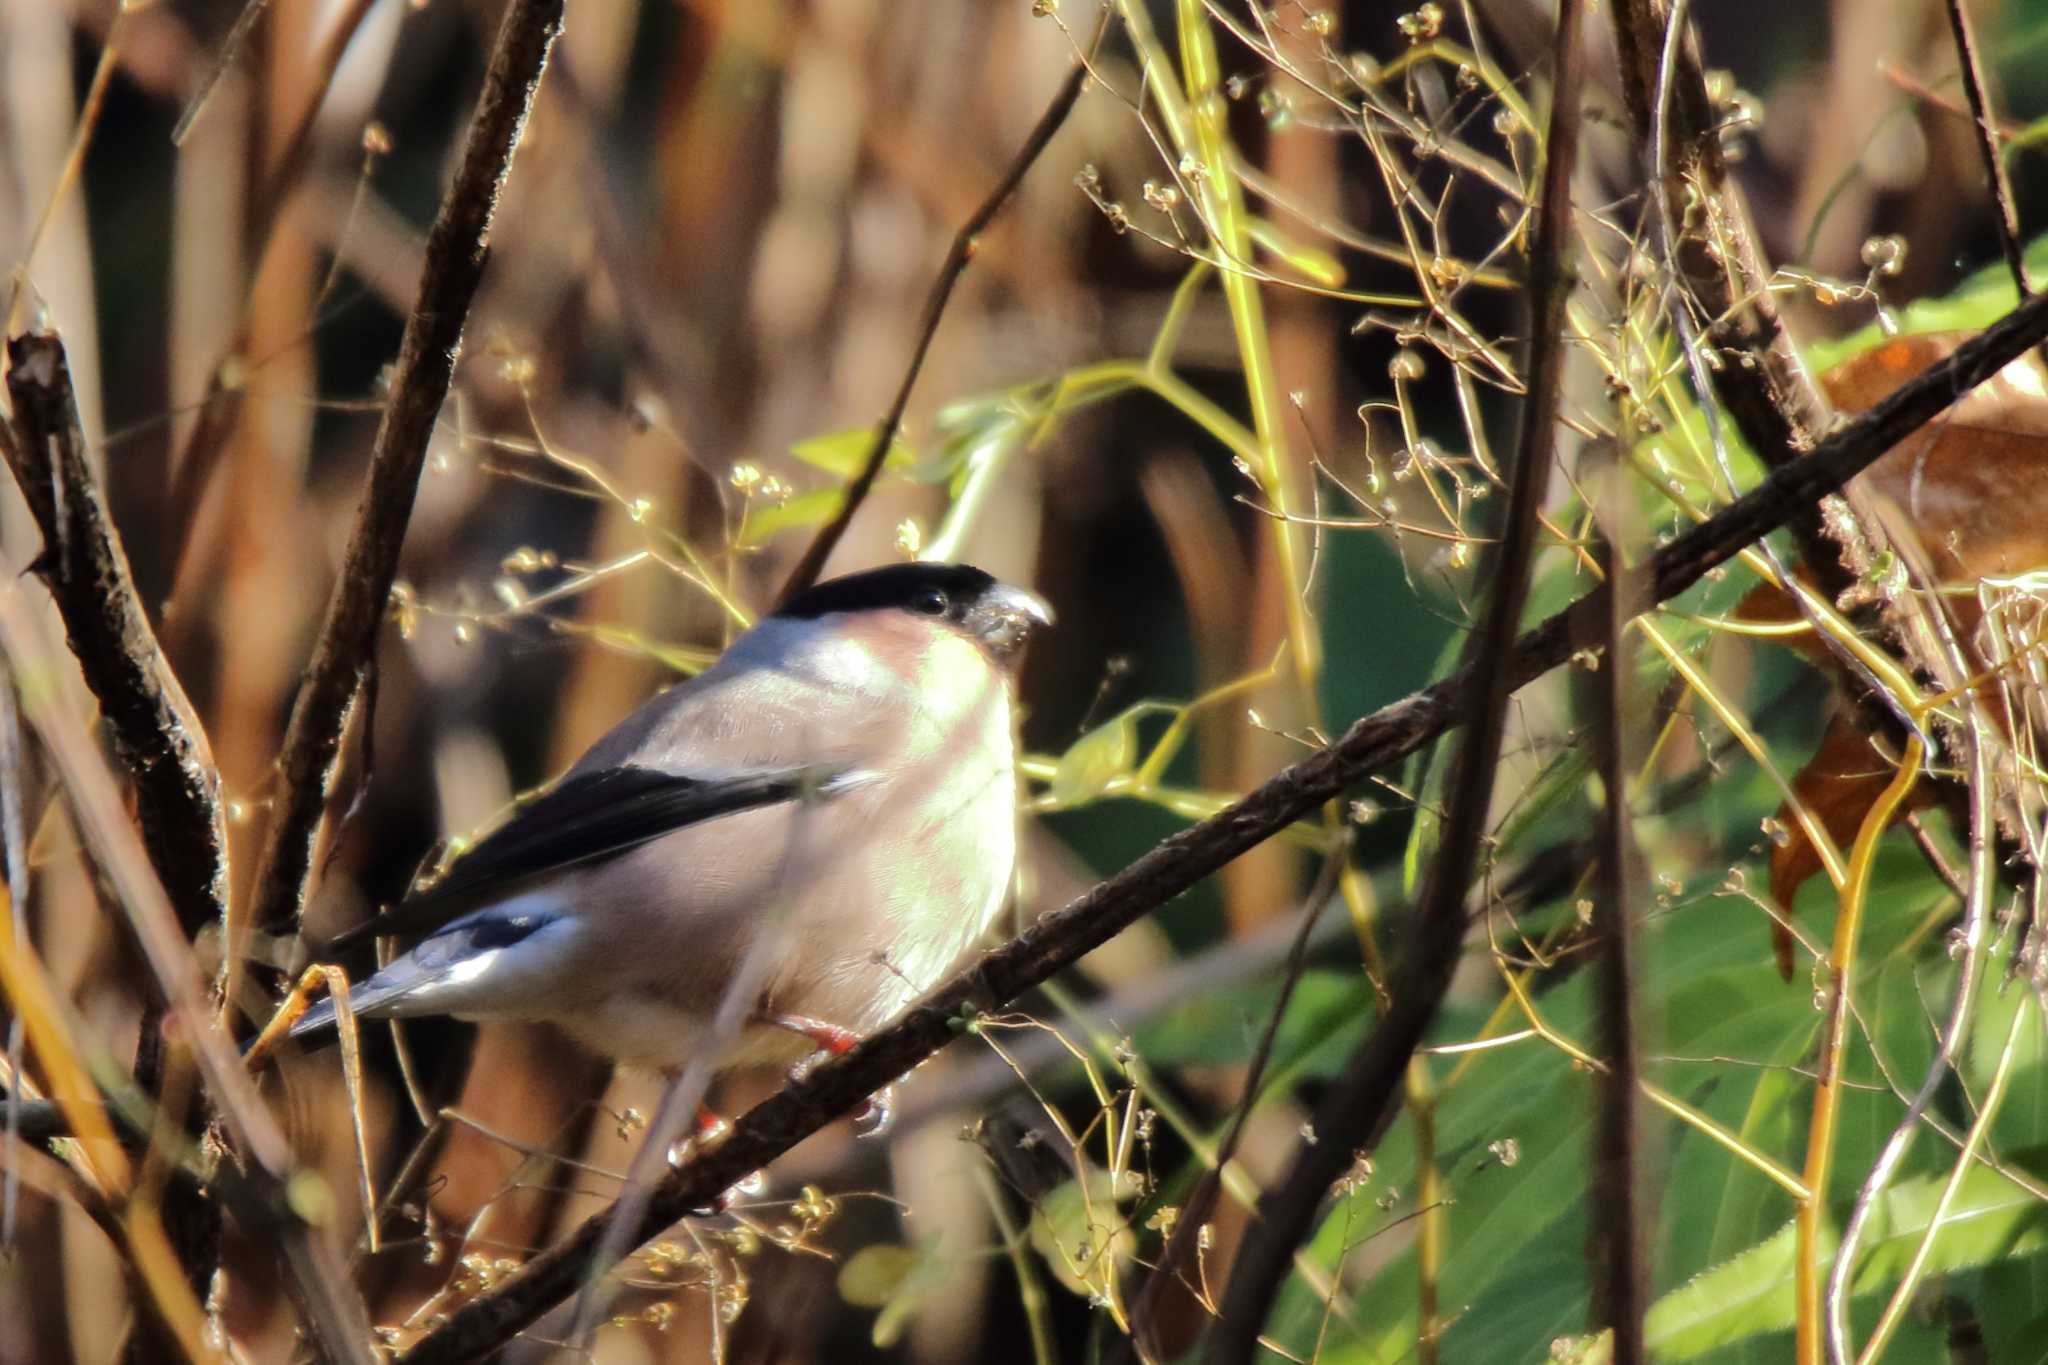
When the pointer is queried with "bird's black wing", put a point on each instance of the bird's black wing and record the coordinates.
(583, 819)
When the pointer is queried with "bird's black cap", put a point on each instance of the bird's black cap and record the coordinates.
(971, 601)
(909, 586)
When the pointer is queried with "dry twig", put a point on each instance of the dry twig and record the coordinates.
(2005, 218)
(957, 256)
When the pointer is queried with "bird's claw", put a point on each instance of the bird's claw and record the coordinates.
(873, 1118)
(710, 1127)
(878, 1115)
(750, 1186)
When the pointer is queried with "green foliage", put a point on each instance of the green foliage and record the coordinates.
(1731, 1040)
(894, 1279)
(1991, 1219)
(1327, 1015)
(843, 454)
(1096, 760)
(1493, 1160)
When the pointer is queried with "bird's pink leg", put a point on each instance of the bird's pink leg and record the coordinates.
(835, 1041)
(704, 1127)
(830, 1038)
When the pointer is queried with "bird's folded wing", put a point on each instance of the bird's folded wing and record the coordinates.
(587, 817)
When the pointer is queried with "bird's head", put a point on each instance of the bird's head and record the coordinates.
(956, 598)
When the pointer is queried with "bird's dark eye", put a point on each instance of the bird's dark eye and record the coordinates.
(931, 601)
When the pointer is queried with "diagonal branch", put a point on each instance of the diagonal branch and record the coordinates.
(1761, 380)
(2005, 217)
(156, 734)
(1178, 863)
(1756, 373)
(1774, 400)
(457, 249)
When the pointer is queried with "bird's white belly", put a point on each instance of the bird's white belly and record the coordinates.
(885, 933)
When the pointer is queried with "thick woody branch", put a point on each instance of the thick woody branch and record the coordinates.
(156, 735)
(155, 732)
(840, 1085)
(457, 248)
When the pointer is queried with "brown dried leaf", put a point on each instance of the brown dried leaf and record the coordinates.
(1969, 487)
(1968, 496)
(1838, 786)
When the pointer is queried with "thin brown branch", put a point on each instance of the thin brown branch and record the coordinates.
(2006, 218)
(1618, 1251)
(958, 255)
(14, 853)
(842, 1084)
(457, 249)
(1360, 1104)
(156, 734)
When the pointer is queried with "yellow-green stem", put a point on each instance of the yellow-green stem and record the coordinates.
(1224, 201)
(1820, 1140)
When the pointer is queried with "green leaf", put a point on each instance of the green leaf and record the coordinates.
(1513, 1266)
(894, 1279)
(843, 454)
(975, 431)
(765, 520)
(1991, 1219)
(1095, 760)
(1327, 1012)
(874, 1275)
(1080, 1233)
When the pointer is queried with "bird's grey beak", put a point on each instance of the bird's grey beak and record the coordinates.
(1004, 616)
(1020, 602)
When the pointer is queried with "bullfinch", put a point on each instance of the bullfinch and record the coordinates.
(842, 781)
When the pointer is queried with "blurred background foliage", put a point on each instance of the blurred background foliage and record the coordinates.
(707, 278)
